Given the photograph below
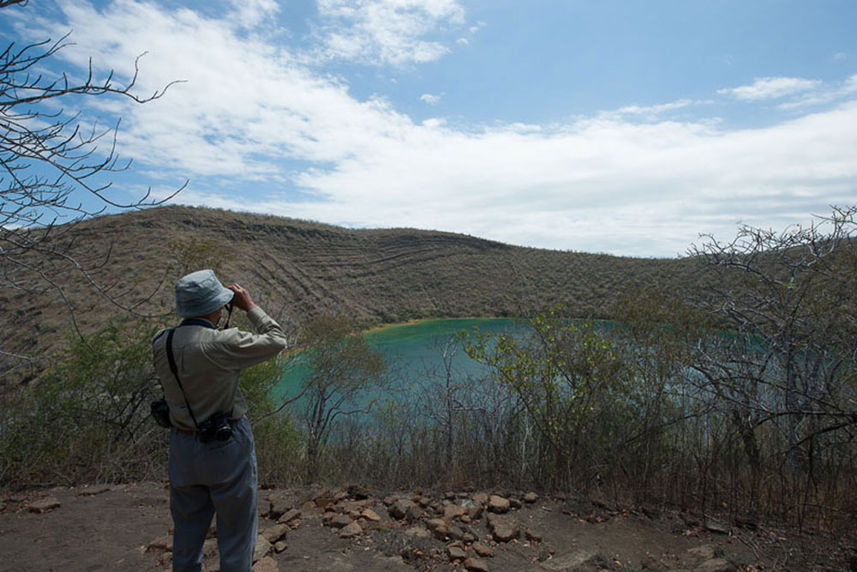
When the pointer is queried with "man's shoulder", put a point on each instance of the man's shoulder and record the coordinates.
(227, 336)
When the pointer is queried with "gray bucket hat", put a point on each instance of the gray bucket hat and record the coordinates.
(200, 293)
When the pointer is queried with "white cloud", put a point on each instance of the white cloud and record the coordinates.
(251, 120)
(652, 112)
(386, 31)
(595, 182)
(430, 99)
(250, 13)
(830, 93)
(771, 88)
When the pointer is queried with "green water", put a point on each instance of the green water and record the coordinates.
(414, 352)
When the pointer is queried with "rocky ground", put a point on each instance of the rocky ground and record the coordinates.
(127, 527)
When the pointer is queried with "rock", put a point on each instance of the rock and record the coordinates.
(279, 506)
(705, 552)
(456, 553)
(404, 509)
(475, 565)
(275, 533)
(358, 492)
(503, 529)
(339, 521)
(716, 527)
(480, 498)
(44, 505)
(455, 532)
(532, 535)
(289, 516)
(161, 543)
(570, 561)
(546, 553)
(266, 564)
(475, 512)
(280, 546)
(263, 547)
(418, 532)
(353, 529)
(325, 502)
(498, 504)
(453, 511)
(351, 506)
(370, 515)
(515, 503)
(91, 491)
(531, 497)
(438, 527)
(716, 565)
(483, 550)
(328, 498)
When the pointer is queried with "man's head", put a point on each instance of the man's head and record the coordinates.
(200, 293)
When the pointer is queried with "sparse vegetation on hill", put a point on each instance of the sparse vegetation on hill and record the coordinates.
(302, 269)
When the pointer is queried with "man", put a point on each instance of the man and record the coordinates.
(212, 473)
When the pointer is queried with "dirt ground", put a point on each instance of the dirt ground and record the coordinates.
(127, 527)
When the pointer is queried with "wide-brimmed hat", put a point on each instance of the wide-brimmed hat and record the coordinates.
(200, 293)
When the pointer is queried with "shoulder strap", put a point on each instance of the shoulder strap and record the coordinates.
(175, 371)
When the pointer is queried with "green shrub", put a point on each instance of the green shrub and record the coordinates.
(87, 419)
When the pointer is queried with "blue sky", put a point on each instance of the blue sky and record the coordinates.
(629, 127)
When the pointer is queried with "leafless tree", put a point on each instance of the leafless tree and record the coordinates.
(792, 298)
(55, 171)
(54, 168)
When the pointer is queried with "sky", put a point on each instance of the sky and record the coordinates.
(628, 127)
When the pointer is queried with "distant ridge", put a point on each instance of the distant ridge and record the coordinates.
(298, 269)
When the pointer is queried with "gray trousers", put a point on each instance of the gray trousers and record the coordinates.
(214, 478)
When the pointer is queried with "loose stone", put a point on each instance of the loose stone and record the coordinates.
(456, 553)
(498, 504)
(266, 564)
(370, 515)
(352, 530)
(476, 565)
(44, 505)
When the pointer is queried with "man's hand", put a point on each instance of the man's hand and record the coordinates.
(242, 299)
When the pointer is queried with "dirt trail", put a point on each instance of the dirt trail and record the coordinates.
(126, 527)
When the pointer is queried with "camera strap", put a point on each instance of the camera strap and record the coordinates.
(175, 371)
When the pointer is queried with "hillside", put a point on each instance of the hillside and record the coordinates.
(298, 269)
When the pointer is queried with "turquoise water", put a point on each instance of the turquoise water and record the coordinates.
(414, 352)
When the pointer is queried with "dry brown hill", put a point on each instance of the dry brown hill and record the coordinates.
(298, 269)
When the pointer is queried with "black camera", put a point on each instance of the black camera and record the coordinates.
(161, 413)
(218, 427)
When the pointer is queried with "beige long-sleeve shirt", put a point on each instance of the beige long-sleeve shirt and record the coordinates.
(209, 361)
